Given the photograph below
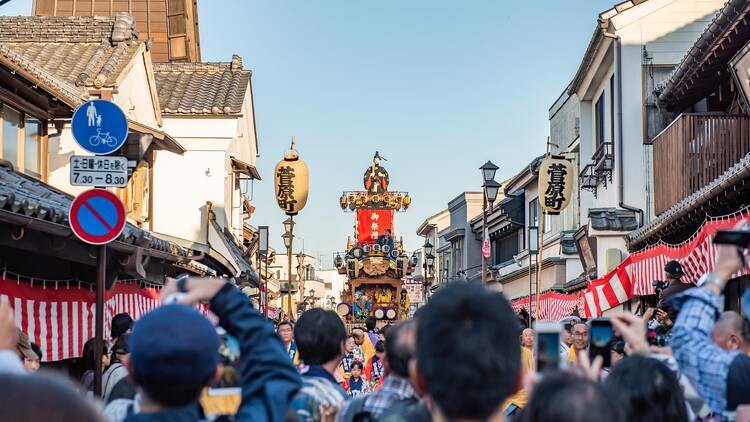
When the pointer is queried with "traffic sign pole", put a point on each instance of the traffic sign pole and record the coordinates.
(97, 216)
(101, 274)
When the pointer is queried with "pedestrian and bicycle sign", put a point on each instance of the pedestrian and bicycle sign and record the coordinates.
(99, 127)
(97, 216)
(101, 170)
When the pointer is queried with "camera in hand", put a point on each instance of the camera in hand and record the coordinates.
(659, 285)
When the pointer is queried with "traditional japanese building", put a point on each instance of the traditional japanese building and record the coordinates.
(171, 26)
(48, 67)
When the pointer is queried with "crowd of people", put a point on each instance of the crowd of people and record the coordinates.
(464, 357)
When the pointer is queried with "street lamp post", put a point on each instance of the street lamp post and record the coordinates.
(291, 185)
(429, 260)
(263, 250)
(533, 250)
(301, 274)
(490, 189)
(288, 237)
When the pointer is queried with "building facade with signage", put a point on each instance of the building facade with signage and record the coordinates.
(635, 46)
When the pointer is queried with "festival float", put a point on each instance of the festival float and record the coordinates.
(375, 263)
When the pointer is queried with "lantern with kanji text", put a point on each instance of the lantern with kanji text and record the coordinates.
(291, 182)
(555, 184)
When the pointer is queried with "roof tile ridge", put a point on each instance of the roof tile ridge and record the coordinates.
(70, 90)
(91, 65)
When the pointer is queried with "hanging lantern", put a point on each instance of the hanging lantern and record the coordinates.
(291, 182)
(343, 202)
(406, 201)
(555, 184)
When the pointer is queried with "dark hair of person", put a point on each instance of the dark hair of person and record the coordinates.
(285, 322)
(370, 323)
(88, 354)
(647, 390)
(380, 346)
(384, 330)
(399, 348)
(61, 400)
(121, 324)
(167, 392)
(35, 347)
(319, 335)
(467, 333)
(121, 345)
(357, 364)
(584, 401)
(619, 347)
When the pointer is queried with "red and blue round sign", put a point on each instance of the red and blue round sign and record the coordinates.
(97, 216)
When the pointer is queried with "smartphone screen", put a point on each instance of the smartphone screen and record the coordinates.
(548, 351)
(601, 340)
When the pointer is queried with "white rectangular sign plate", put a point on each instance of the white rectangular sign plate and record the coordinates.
(98, 171)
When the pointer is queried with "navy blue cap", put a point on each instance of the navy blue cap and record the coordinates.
(174, 344)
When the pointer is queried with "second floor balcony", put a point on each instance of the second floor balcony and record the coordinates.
(694, 150)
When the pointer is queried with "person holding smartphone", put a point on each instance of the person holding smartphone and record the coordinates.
(721, 377)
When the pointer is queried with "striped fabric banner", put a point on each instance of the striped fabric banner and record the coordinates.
(635, 275)
(553, 306)
(61, 319)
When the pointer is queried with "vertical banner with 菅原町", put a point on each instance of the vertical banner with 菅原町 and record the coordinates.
(372, 224)
(556, 177)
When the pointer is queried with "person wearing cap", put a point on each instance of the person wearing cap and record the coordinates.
(174, 355)
(566, 337)
(673, 274)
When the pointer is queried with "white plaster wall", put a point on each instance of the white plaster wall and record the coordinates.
(181, 189)
(668, 28)
(338, 282)
(61, 148)
(608, 242)
(134, 96)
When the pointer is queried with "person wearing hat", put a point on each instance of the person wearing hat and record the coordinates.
(566, 337)
(661, 318)
(174, 355)
(673, 274)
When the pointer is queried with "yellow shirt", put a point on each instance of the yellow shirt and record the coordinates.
(527, 366)
(572, 360)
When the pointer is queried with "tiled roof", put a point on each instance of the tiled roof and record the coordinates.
(703, 66)
(613, 219)
(68, 54)
(202, 88)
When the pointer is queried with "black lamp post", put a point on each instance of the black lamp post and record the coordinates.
(490, 189)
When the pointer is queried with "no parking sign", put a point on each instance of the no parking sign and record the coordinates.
(97, 216)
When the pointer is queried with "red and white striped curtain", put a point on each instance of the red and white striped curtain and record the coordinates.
(61, 319)
(552, 305)
(634, 276)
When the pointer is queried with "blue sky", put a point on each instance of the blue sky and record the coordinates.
(436, 87)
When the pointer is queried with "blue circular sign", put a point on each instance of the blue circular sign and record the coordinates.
(99, 126)
(97, 216)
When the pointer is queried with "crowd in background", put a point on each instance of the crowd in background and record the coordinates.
(464, 357)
